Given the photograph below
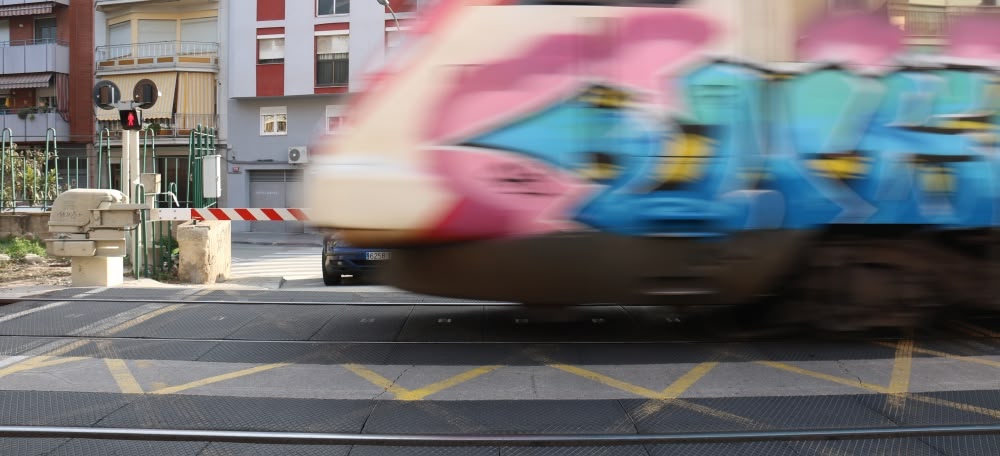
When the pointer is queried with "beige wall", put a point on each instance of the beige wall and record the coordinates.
(762, 30)
(25, 225)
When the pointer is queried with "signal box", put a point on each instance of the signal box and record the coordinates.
(131, 119)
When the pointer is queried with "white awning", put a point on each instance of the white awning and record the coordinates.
(166, 82)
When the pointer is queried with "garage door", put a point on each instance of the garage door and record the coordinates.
(276, 188)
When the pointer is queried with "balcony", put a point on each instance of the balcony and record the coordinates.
(34, 56)
(32, 127)
(32, 3)
(101, 5)
(160, 55)
(176, 130)
(930, 21)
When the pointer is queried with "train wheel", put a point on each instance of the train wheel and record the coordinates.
(854, 286)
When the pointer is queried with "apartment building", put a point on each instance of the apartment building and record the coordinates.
(172, 49)
(926, 21)
(46, 67)
(291, 63)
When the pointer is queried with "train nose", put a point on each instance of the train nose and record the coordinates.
(372, 200)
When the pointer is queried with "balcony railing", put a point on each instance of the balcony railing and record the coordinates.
(158, 54)
(33, 126)
(178, 126)
(34, 56)
(931, 21)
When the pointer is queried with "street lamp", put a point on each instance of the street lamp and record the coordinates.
(393, 13)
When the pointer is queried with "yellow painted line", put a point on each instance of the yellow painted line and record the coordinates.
(956, 405)
(123, 376)
(376, 379)
(878, 389)
(658, 399)
(902, 367)
(67, 348)
(667, 397)
(941, 354)
(830, 378)
(671, 392)
(219, 378)
(655, 405)
(614, 383)
(38, 362)
(142, 319)
(404, 394)
(420, 393)
(681, 385)
(45, 360)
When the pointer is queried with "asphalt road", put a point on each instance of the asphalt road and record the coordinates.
(373, 360)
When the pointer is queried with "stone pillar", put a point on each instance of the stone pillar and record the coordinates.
(97, 271)
(205, 251)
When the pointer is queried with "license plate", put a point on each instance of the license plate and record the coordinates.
(378, 255)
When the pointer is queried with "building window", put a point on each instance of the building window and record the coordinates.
(328, 7)
(6, 100)
(274, 121)
(48, 102)
(145, 93)
(120, 33)
(332, 59)
(271, 50)
(392, 38)
(45, 29)
(203, 30)
(334, 118)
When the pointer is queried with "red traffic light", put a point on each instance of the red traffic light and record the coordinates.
(131, 119)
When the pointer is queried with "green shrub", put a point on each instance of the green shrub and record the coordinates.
(17, 248)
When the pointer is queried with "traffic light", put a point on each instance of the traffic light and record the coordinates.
(131, 119)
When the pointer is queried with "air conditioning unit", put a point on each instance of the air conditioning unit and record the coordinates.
(299, 154)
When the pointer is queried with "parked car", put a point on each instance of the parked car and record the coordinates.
(340, 258)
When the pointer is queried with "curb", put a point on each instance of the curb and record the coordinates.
(292, 244)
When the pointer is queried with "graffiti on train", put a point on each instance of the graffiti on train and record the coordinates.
(656, 138)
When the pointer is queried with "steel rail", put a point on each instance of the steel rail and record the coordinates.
(390, 342)
(633, 342)
(286, 303)
(304, 438)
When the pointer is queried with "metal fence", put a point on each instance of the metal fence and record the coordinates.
(158, 53)
(30, 176)
(932, 21)
(179, 125)
(201, 145)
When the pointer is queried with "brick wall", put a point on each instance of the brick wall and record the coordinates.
(81, 73)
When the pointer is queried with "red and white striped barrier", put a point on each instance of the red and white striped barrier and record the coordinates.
(235, 214)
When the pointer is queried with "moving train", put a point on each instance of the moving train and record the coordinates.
(555, 153)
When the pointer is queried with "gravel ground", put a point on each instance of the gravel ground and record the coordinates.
(51, 272)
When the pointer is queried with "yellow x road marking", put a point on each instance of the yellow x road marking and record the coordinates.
(404, 394)
(898, 384)
(671, 392)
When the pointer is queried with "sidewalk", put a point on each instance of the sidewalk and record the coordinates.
(293, 239)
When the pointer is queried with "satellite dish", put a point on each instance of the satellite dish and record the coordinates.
(106, 94)
(145, 94)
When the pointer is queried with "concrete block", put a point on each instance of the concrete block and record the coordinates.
(31, 225)
(97, 271)
(205, 251)
(38, 225)
(13, 224)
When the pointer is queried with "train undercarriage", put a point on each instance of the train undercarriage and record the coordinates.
(841, 279)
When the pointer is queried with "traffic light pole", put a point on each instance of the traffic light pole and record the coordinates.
(130, 164)
(131, 125)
